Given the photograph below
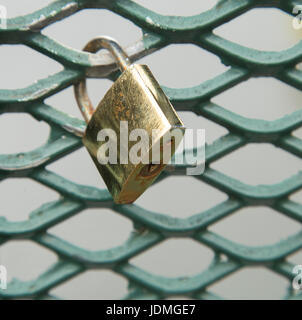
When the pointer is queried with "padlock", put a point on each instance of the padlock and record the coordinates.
(137, 100)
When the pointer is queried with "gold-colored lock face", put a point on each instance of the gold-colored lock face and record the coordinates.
(137, 98)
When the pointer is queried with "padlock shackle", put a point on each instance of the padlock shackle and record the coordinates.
(105, 42)
(93, 46)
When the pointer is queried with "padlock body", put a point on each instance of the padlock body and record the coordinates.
(135, 98)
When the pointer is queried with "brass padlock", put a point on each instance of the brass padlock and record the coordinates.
(137, 100)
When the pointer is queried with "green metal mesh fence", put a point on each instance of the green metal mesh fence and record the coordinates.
(151, 227)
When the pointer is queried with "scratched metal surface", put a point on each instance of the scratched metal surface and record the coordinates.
(151, 228)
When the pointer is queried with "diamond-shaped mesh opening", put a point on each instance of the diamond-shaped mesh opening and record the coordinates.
(103, 229)
(180, 197)
(89, 24)
(22, 133)
(175, 258)
(266, 285)
(274, 24)
(268, 171)
(64, 101)
(29, 6)
(72, 168)
(19, 57)
(152, 220)
(166, 71)
(25, 260)
(261, 98)
(212, 130)
(93, 285)
(176, 7)
(254, 224)
(97, 88)
(33, 196)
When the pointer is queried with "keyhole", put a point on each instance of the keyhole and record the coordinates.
(151, 169)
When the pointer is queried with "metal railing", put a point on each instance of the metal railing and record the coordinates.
(159, 31)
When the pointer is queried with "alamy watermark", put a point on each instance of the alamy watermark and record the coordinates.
(3, 278)
(297, 281)
(190, 149)
(297, 21)
(3, 17)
